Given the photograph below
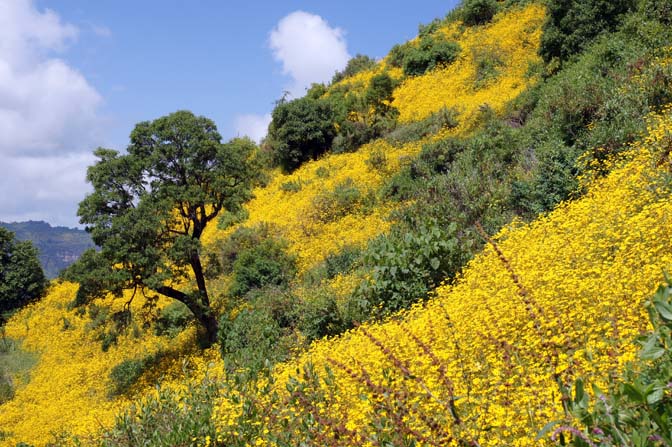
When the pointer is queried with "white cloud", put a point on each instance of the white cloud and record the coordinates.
(253, 126)
(309, 50)
(44, 188)
(49, 120)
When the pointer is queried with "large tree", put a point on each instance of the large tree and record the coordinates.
(21, 277)
(149, 209)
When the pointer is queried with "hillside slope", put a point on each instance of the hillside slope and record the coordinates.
(474, 363)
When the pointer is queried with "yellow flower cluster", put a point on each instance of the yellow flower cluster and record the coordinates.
(545, 302)
(295, 216)
(509, 44)
(68, 390)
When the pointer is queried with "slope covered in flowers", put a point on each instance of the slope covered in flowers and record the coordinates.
(556, 299)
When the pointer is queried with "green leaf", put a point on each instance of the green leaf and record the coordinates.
(633, 393)
(663, 309)
(435, 263)
(546, 429)
(655, 396)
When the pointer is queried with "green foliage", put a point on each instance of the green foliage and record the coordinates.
(301, 130)
(21, 277)
(321, 317)
(94, 275)
(430, 52)
(15, 365)
(346, 198)
(231, 218)
(488, 61)
(291, 186)
(355, 65)
(407, 266)
(265, 264)
(637, 410)
(173, 319)
(251, 339)
(170, 417)
(150, 207)
(126, 373)
(242, 239)
(478, 12)
(573, 24)
(443, 119)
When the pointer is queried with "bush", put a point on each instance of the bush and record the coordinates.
(242, 239)
(430, 53)
(167, 418)
(265, 264)
(126, 373)
(173, 319)
(573, 24)
(488, 62)
(478, 12)
(355, 65)
(301, 130)
(344, 199)
(250, 339)
(404, 267)
(321, 317)
(443, 119)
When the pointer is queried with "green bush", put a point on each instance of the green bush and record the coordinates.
(404, 267)
(291, 186)
(301, 130)
(445, 118)
(265, 264)
(431, 52)
(478, 12)
(321, 317)
(126, 373)
(242, 239)
(169, 418)
(250, 339)
(352, 135)
(573, 24)
(344, 199)
(355, 65)
(173, 319)
(488, 61)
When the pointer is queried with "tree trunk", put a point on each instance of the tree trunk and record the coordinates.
(201, 311)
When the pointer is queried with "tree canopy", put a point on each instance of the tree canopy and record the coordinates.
(149, 209)
(21, 277)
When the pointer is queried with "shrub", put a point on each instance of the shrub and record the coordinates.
(478, 12)
(352, 135)
(301, 130)
(242, 239)
(431, 51)
(168, 417)
(173, 319)
(444, 118)
(266, 264)
(291, 186)
(404, 267)
(250, 339)
(355, 65)
(344, 199)
(126, 373)
(573, 24)
(488, 63)
(321, 317)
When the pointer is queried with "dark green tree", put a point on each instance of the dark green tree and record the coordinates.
(149, 209)
(478, 12)
(21, 277)
(301, 130)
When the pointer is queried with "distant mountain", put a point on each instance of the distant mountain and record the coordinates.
(59, 246)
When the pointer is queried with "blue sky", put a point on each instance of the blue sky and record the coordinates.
(77, 74)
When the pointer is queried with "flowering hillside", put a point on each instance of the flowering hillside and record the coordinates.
(425, 280)
(546, 302)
